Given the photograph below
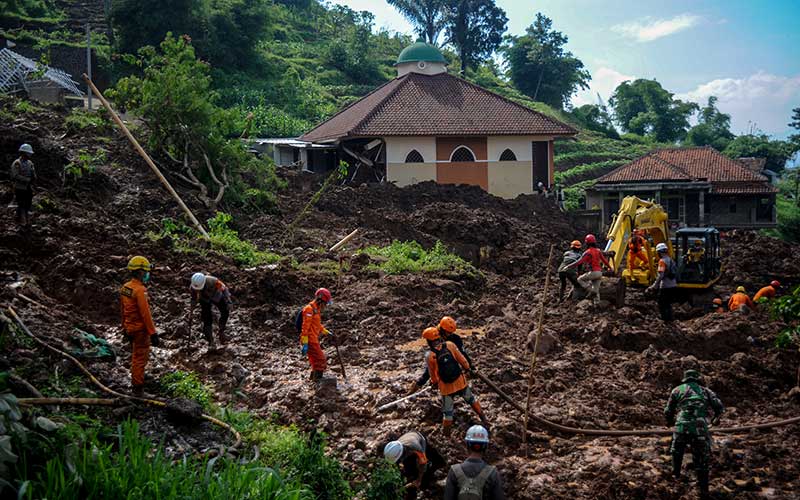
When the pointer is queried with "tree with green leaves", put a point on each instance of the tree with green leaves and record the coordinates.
(597, 118)
(645, 108)
(197, 139)
(427, 16)
(713, 127)
(145, 22)
(540, 66)
(795, 124)
(475, 28)
(776, 152)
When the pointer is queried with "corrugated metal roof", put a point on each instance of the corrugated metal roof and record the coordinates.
(16, 70)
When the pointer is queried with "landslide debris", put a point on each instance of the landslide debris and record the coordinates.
(600, 367)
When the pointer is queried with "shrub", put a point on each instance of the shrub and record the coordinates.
(787, 309)
(187, 385)
(226, 240)
(411, 257)
(385, 483)
(85, 163)
(80, 119)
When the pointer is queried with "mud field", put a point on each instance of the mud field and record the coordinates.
(598, 367)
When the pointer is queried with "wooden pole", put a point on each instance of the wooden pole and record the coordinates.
(343, 241)
(536, 348)
(339, 355)
(146, 158)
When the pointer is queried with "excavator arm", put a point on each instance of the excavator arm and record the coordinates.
(635, 213)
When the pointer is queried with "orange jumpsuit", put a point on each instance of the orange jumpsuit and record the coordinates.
(450, 390)
(312, 328)
(768, 292)
(738, 300)
(636, 251)
(138, 325)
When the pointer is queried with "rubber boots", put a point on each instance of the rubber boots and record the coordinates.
(209, 336)
(316, 375)
(677, 460)
(702, 484)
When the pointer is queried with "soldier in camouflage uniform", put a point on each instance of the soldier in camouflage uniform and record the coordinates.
(688, 409)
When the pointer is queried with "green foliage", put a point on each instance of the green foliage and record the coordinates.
(181, 384)
(385, 482)
(85, 163)
(574, 194)
(226, 241)
(301, 458)
(428, 17)
(776, 152)
(787, 309)
(795, 124)
(31, 9)
(788, 207)
(541, 68)
(11, 431)
(132, 468)
(80, 119)
(410, 257)
(25, 107)
(597, 118)
(591, 170)
(475, 29)
(645, 108)
(713, 128)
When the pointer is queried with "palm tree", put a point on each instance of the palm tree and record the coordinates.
(427, 16)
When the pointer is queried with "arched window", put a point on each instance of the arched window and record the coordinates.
(462, 153)
(508, 155)
(414, 156)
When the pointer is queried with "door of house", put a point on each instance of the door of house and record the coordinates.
(541, 164)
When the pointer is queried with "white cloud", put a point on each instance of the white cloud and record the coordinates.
(762, 100)
(604, 82)
(649, 29)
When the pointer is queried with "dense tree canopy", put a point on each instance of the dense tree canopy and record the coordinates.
(475, 29)
(541, 68)
(776, 152)
(643, 107)
(596, 117)
(795, 124)
(713, 127)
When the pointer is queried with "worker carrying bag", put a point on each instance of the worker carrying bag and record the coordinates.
(449, 369)
(471, 488)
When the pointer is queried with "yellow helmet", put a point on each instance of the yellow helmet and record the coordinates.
(740, 289)
(139, 263)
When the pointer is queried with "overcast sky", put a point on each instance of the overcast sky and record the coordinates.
(745, 52)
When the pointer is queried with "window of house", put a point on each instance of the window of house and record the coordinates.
(675, 208)
(462, 153)
(508, 155)
(414, 156)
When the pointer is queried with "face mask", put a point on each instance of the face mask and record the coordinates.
(146, 278)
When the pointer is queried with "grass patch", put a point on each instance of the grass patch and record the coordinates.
(130, 467)
(80, 119)
(226, 241)
(181, 384)
(590, 169)
(410, 257)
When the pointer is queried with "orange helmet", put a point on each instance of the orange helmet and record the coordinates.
(575, 244)
(448, 324)
(431, 333)
(718, 301)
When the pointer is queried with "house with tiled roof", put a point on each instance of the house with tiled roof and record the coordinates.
(428, 125)
(697, 186)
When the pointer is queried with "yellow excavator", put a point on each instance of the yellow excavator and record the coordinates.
(696, 251)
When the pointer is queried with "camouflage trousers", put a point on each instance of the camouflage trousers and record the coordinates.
(701, 451)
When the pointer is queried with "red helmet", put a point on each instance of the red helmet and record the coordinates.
(448, 324)
(590, 239)
(718, 301)
(775, 284)
(324, 295)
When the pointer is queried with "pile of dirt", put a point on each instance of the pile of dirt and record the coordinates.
(599, 367)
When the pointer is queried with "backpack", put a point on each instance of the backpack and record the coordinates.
(449, 369)
(672, 270)
(471, 488)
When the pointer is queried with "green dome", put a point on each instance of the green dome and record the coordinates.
(421, 51)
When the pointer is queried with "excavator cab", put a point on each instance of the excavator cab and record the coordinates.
(697, 254)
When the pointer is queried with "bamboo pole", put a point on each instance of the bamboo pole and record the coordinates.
(68, 401)
(146, 158)
(343, 241)
(536, 348)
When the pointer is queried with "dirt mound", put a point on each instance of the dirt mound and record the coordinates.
(752, 260)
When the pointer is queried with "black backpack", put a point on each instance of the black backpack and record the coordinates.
(298, 320)
(449, 369)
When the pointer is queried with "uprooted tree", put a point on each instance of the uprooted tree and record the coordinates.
(198, 139)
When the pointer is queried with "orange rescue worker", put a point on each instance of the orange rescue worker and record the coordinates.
(136, 319)
(717, 306)
(636, 250)
(740, 301)
(768, 291)
(311, 330)
(446, 366)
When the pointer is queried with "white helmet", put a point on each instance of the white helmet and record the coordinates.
(198, 281)
(477, 434)
(662, 247)
(26, 148)
(393, 451)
